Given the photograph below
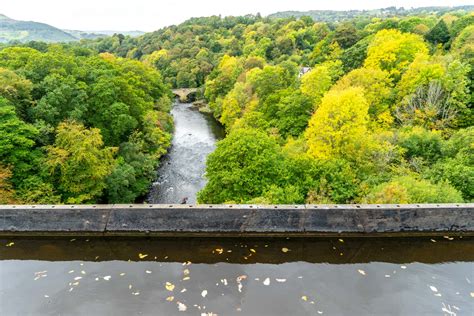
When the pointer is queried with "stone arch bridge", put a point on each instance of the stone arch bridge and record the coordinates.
(186, 94)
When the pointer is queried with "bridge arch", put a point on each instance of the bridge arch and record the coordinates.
(186, 94)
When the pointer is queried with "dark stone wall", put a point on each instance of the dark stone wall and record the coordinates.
(237, 220)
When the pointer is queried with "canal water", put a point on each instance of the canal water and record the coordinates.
(423, 276)
(181, 173)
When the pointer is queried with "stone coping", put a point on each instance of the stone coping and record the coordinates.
(237, 220)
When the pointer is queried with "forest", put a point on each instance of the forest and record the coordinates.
(363, 110)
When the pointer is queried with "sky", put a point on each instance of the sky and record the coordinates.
(150, 15)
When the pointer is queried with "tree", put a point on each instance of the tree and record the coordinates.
(339, 126)
(318, 81)
(393, 51)
(243, 166)
(6, 189)
(16, 141)
(408, 189)
(439, 34)
(79, 162)
(346, 35)
(376, 84)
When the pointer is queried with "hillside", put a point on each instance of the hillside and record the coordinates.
(334, 16)
(100, 34)
(24, 31)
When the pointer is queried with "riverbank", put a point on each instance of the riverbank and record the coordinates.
(238, 220)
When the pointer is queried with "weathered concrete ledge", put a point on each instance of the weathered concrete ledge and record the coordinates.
(237, 220)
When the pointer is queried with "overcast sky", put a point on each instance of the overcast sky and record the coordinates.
(149, 15)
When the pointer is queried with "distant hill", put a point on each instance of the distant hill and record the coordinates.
(334, 16)
(24, 31)
(98, 34)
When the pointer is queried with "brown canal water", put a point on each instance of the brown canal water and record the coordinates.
(199, 276)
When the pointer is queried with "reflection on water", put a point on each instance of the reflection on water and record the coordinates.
(181, 174)
(237, 276)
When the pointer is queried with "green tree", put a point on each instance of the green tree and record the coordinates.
(244, 165)
(79, 162)
(439, 34)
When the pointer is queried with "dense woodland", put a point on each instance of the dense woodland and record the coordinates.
(78, 127)
(385, 114)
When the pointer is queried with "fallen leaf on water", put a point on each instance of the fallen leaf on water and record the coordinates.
(148, 271)
(136, 293)
(129, 286)
(341, 240)
(219, 251)
(433, 288)
(285, 250)
(83, 272)
(266, 281)
(77, 278)
(448, 238)
(281, 280)
(170, 298)
(253, 250)
(304, 298)
(182, 307)
(204, 293)
(46, 296)
(142, 256)
(72, 271)
(169, 286)
(472, 294)
(241, 277)
(387, 275)
(186, 271)
(403, 267)
(361, 272)
(122, 274)
(432, 240)
(10, 244)
(107, 277)
(186, 278)
(183, 290)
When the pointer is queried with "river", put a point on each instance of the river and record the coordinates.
(181, 173)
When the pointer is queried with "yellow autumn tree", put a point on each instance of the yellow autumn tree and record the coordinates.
(393, 51)
(339, 126)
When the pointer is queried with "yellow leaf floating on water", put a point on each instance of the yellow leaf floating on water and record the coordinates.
(472, 294)
(253, 250)
(219, 251)
(170, 298)
(204, 293)
(304, 298)
(169, 286)
(186, 278)
(285, 250)
(361, 272)
(341, 240)
(142, 256)
(10, 244)
(186, 272)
